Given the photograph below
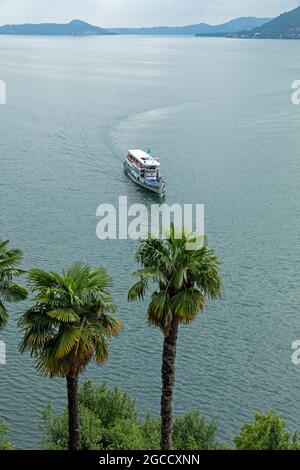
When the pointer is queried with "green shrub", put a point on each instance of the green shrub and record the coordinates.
(5, 444)
(267, 432)
(150, 429)
(192, 432)
(107, 404)
(123, 435)
(109, 421)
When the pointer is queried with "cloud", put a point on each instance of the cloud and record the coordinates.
(139, 12)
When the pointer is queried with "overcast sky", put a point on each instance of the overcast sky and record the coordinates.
(139, 12)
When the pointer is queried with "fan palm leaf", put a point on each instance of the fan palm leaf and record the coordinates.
(10, 291)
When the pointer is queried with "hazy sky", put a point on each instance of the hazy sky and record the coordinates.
(139, 12)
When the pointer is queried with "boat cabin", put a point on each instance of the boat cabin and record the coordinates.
(147, 165)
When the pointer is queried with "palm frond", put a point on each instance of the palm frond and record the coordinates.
(13, 292)
(101, 349)
(3, 316)
(159, 311)
(66, 342)
(66, 315)
(51, 366)
(35, 340)
(138, 290)
(153, 253)
(151, 273)
(9, 290)
(108, 324)
(187, 304)
(10, 258)
(40, 279)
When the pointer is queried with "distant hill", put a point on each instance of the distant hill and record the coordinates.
(74, 28)
(285, 26)
(81, 28)
(244, 23)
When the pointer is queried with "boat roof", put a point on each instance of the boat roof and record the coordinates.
(144, 157)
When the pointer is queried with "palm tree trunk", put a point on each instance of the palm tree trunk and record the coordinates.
(168, 381)
(73, 409)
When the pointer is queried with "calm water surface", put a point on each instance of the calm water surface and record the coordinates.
(218, 113)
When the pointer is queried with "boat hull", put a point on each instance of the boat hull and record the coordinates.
(160, 189)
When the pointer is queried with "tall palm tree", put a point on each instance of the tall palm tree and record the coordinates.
(10, 291)
(185, 279)
(69, 325)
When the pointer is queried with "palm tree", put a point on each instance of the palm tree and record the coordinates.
(10, 291)
(185, 278)
(69, 325)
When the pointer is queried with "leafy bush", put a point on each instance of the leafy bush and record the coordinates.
(192, 432)
(56, 427)
(124, 435)
(4, 442)
(109, 421)
(107, 404)
(267, 432)
(150, 430)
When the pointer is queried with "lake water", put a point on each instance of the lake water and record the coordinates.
(218, 113)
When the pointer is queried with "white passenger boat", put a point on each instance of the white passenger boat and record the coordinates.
(144, 170)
